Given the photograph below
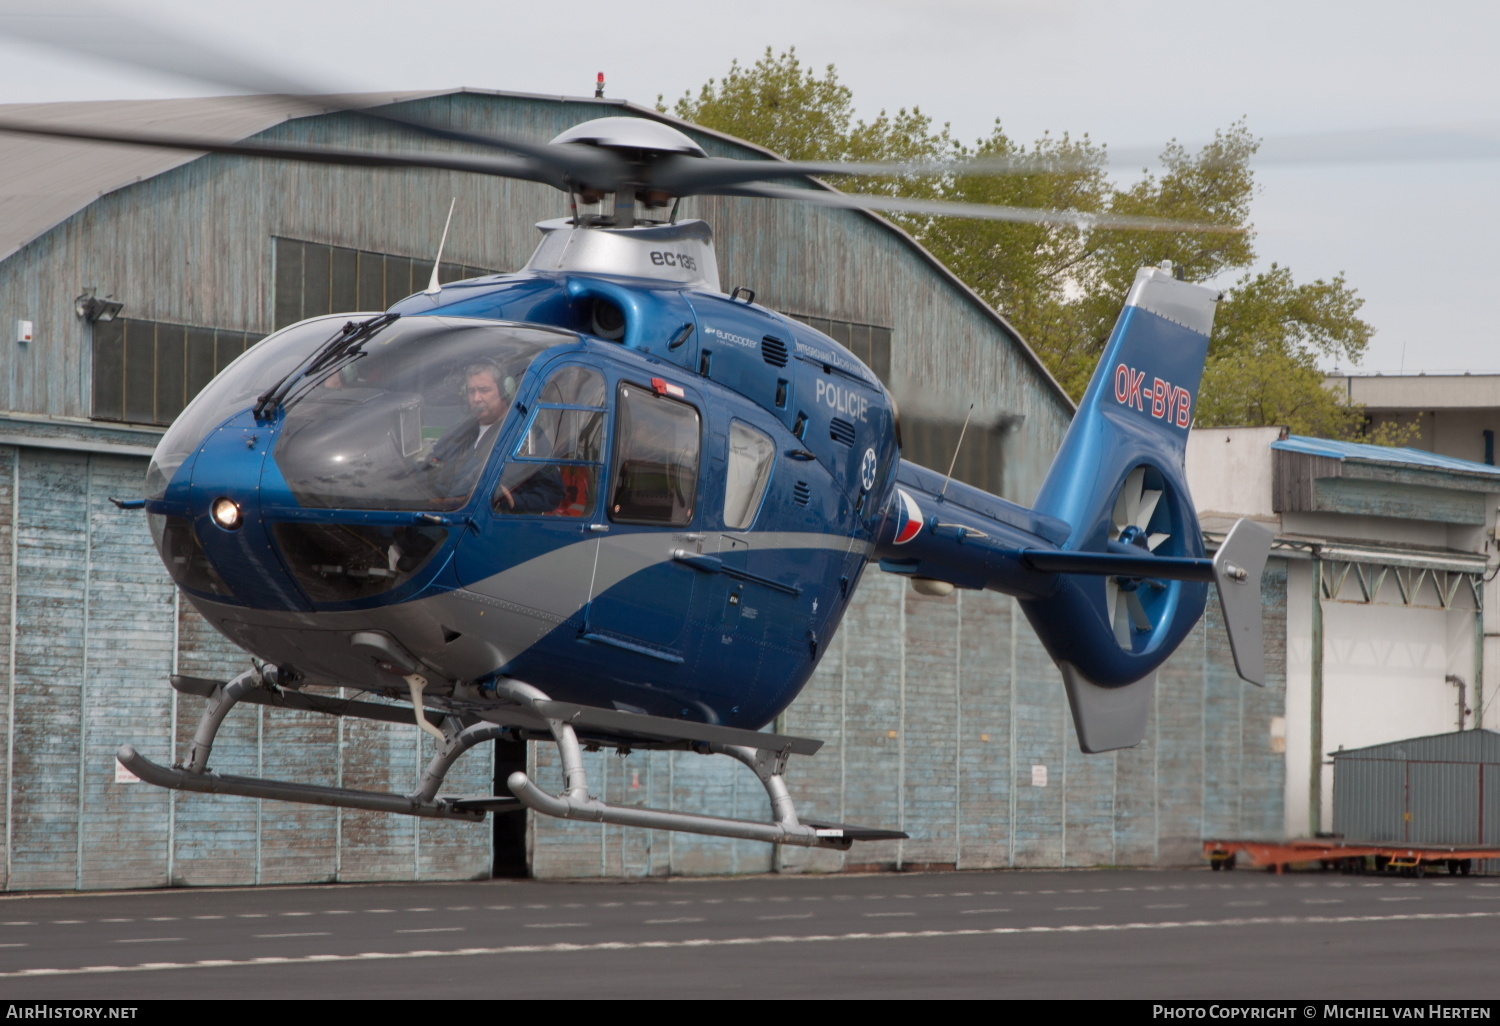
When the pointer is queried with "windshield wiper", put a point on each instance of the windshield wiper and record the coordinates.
(329, 353)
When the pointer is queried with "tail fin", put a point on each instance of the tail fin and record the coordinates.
(1118, 481)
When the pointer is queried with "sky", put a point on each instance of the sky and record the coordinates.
(1411, 223)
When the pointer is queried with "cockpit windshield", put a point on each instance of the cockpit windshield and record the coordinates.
(406, 419)
(260, 368)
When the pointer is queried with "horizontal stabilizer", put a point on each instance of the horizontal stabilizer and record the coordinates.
(1108, 718)
(1110, 564)
(1238, 566)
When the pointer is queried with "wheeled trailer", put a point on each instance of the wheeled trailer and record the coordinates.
(1348, 856)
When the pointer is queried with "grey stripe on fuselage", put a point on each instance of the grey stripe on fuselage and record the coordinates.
(499, 617)
(553, 588)
(552, 582)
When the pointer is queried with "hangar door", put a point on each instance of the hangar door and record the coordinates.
(1399, 654)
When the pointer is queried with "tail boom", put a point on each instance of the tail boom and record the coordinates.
(1110, 568)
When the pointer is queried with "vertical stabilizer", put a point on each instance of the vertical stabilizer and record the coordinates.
(1118, 482)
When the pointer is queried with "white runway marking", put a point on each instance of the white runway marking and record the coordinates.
(683, 919)
(148, 940)
(603, 946)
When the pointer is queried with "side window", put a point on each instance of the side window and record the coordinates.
(555, 469)
(750, 457)
(656, 459)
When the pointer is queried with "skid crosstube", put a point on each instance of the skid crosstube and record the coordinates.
(520, 712)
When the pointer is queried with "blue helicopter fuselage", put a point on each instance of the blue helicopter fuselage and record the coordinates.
(720, 615)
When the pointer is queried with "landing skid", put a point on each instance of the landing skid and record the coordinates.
(527, 714)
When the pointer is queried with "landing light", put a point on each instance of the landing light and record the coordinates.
(226, 513)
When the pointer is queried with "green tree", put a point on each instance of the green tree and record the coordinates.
(1061, 285)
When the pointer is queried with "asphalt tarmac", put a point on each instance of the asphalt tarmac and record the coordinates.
(1034, 934)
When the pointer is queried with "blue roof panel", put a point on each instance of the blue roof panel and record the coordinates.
(1382, 454)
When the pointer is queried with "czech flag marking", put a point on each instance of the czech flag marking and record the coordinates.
(908, 518)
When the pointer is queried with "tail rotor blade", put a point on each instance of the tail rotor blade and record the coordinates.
(1132, 488)
(1149, 499)
(1120, 615)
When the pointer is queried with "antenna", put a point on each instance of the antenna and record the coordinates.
(954, 462)
(433, 288)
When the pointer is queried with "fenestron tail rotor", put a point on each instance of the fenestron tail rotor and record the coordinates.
(1134, 522)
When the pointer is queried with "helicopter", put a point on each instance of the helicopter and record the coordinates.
(599, 502)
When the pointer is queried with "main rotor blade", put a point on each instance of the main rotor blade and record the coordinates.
(503, 166)
(687, 176)
(982, 211)
(1478, 140)
(82, 27)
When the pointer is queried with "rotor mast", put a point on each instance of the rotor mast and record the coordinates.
(639, 144)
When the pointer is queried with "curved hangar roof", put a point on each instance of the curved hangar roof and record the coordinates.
(46, 181)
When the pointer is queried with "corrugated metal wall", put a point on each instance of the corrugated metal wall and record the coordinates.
(1442, 789)
(936, 713)
(92, 628)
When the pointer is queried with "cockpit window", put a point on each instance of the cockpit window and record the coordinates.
(555, 469)
(406, 420)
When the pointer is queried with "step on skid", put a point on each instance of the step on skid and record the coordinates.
(519, 712)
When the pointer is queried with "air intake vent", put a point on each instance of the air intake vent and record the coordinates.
(773, 351)
(841, 431)
(801, 493)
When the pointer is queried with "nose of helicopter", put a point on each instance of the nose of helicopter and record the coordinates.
(225, 499)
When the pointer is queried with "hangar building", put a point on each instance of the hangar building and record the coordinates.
(943, 717)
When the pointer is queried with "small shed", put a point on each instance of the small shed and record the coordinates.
(1440, 789)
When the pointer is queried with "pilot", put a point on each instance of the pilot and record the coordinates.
(459, 456)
